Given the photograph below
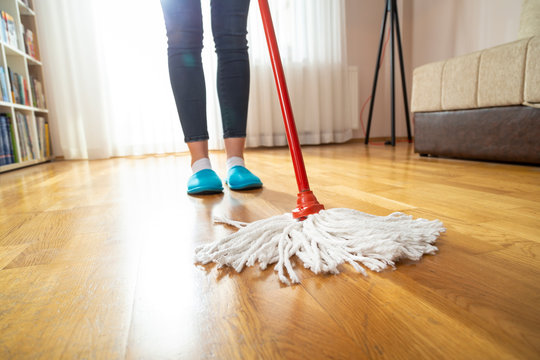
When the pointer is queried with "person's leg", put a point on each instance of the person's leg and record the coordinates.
(229, 27)
(183, 21)
(235, 146)
(198, 150)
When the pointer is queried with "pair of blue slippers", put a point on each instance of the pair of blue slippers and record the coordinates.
(208, 182)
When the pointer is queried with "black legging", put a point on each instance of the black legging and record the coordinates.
(183, 19)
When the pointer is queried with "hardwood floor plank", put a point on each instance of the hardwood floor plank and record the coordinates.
(8, 253)
(96, 261)
(65, 311)
(391, 323)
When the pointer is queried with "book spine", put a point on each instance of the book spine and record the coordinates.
(41, 96)
(29, 140)
(12, 31)
(12, 82)
(4, 25)
(8, 36)
(48, 150)
(20, 88)
(25, 138)
(3, 84)
(33, 89)
(3, 147)
(14, 141)
(7, 139)
(26, 93)
(29, 36)
(41, 138)
(20, 39)
(44, 137)
(21, 137)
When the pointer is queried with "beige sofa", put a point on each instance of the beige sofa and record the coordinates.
(484, 105)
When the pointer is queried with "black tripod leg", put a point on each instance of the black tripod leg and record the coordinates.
(374, 89)
(392, 80)
(403, 82)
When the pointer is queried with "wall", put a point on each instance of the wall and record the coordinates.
(364, 20)
(443, 29)
(431, 30)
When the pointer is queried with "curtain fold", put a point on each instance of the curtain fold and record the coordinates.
(108, 88)
(312, 41)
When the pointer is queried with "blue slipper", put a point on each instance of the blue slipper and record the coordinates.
(204, 182)
(240, 178)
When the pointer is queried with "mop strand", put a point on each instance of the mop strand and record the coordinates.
(326, 238)
(323, 241)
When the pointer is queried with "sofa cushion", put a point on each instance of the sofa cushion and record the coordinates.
(426, 89)
(460, 82)
(501, 74)
(532, 73)
(530, 19)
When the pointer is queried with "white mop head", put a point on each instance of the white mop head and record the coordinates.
(323, 241)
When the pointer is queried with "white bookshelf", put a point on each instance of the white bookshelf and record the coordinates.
(14, 56)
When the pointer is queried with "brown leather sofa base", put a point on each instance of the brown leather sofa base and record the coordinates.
(508, 134)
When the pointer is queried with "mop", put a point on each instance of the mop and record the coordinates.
(321, 239)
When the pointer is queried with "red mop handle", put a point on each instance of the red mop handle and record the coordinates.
(307, 203)
(283, 93)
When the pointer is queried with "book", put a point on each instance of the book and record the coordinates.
(11, 30)
(20, 92)
(9, 140)
(21, 137)
(26, 94)
(29, 138)
(3, 26)
(14, 140)
(41, 96)
(3, 85)
(48, 149)
(40, 126)
(20, 88)
(5, 140)
(37, 93)
(14, 90)
(21, 44)
(33, 90)
(3, 148)
(29, 42)
(40, 137)
(25, 138)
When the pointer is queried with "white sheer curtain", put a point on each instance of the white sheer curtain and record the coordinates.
(108, 87)
(312, 40)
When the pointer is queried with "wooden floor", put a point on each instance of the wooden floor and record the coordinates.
(96, 262)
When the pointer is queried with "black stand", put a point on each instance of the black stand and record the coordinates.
(390, 8)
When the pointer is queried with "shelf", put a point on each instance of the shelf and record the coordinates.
(27, 123)
(10, 50)
(19, 165)
(24, 9)
(32, 61)
(23, 107)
